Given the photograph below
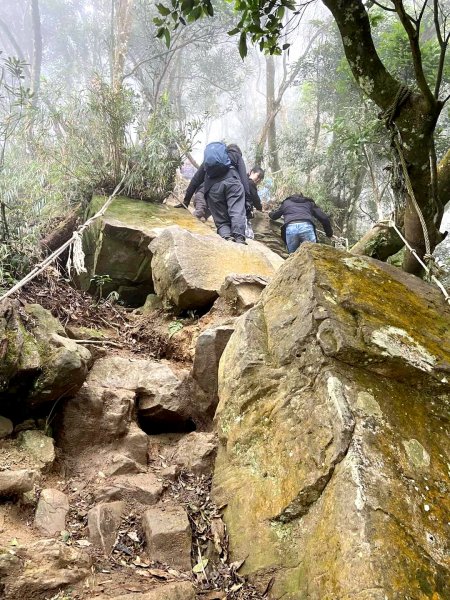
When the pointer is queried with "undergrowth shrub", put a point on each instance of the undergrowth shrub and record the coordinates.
(77, 145)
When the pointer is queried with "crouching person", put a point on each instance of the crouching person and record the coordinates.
(298, 213)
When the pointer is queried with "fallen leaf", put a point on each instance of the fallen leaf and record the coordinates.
(83, 543)
(133, 536)
(200, 566)
(158, 573)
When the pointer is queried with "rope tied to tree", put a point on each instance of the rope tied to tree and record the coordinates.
(431, 275)
(76, 238)
(76, 255)
(389, 116)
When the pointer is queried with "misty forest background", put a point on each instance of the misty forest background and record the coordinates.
(88, 93)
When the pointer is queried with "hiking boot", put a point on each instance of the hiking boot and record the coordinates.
(241, 241)
(229, 238)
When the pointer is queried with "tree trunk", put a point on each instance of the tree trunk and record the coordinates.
(37, 52)
(380, 242)
(444, 179)
(272, 109)
(121, 18)
(415, 119)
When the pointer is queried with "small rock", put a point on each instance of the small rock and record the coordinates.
(122, 465)
(196, 452)
(180, 590)
(242, 291)
(16, 482)
(52, 508)
(135, 445)
(171, 472)
(168, 536)
(85, 333)
(144, 488)
(6, 427)
(27, 424)
(39, 446)
(103, 523)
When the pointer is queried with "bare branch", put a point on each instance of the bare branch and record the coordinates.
(412, 28)
(443, 43)
(381, 6)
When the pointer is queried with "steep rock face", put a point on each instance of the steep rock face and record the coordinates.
(333, 424)
(189, 269)
(117, 244)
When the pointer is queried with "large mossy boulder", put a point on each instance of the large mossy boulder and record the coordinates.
(39, 363)
(138, 247)
(334, 442)
(117, 244)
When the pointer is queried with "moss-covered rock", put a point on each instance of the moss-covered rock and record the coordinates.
(117, 244)
(333, 424)
(40, 363)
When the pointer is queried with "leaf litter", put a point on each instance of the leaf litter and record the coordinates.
(216, 577)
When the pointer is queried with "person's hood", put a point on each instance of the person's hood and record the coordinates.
(234, 156)
(300, 199)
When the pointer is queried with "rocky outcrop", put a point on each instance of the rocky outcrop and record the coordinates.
(39, 363)
(138, 247)
(334, 451)
(117, 391)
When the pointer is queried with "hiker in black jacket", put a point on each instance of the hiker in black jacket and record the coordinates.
(225, 196)
(253, 200)
(299, 213)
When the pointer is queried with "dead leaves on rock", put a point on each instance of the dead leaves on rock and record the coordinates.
(77, 308)
(216, 577)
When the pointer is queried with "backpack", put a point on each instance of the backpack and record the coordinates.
(216, 160)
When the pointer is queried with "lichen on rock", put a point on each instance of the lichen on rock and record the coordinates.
(333, 434)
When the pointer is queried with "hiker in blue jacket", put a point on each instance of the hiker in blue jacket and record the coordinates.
(298, 213)
(226, 187)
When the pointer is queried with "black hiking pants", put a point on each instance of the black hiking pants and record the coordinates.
(226, 201)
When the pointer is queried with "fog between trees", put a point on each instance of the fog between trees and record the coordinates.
(88, 91)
